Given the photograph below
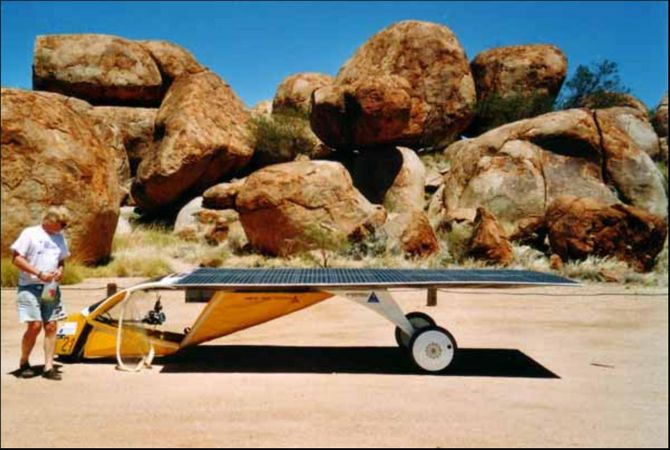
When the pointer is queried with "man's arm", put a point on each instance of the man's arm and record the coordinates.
(23, 264)
(58, 275)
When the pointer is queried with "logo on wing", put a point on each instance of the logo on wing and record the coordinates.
(373, 298)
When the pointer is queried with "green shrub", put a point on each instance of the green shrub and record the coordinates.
(372, 246)
(10, 273)
(457, 236)
(74, 273)
(603, 99)
(281, 137)
(496, 110)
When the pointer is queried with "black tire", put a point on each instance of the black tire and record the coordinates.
(432, 349)
(72, 358)
(418, 320)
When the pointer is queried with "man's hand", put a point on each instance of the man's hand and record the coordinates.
(58, 274)
(47, 276)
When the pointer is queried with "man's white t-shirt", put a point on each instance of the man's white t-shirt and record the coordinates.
(42, 250)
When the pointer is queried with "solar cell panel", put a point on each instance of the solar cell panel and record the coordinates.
(364, 277)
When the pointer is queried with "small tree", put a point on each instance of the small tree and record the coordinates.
(599, 85)
(325, 239)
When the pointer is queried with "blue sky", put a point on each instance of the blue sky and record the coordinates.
(254, 45)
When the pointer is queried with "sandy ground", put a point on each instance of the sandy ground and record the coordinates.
(538, 367)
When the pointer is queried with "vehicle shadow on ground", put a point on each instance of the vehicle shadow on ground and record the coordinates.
(354, 360)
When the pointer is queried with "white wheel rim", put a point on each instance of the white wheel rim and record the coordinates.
(418, 323)
(433, 350)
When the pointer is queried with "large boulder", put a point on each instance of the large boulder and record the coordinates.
(632, 172)
(636, 125)
(52, 155)
(409, 85)
(605, 99)
(661, 117)
(489, 241)
(369, 112)
(524, 77)
(100, 69)
(517, 170)
(172, 60)
(136, 126)
(582, 227)
(198, 223)
(261, 109)
(222, 196)
(392, 177)
(199, 139)
(519, 69)
(294, 92)
(110, 134)
(411, 234)
(305, 205)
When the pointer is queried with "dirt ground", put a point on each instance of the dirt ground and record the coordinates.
(537, 367)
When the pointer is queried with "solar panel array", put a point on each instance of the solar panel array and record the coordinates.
(363, 277)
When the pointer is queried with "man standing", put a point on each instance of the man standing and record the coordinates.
(39, 253)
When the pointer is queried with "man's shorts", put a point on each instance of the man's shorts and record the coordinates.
(33, 309)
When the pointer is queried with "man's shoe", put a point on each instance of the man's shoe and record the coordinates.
(25, 371)
(51, 374)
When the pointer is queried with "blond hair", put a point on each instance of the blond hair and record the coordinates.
(57, 214)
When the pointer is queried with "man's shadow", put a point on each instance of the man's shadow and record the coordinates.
(478, 362)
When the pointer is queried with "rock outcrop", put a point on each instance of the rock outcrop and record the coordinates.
(294, 93)
(109, 70)
(604, 100)
(411, 234)
(519, 69)
(581, 227)
(489, 241)
(100, 69)
(634, 175)
(526, 78)
(661, 117)
(172, 60)
(636, 125)
(52, 155)
(298, 206)
(517, 170)
(368, 112)
(261, 109)
(136, 126)
(199, 139)
(393, 177)
(222, 196)
(110, 135)
(198, 223)
(409, 85)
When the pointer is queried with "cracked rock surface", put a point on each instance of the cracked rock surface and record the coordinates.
(516, 171)
(53, 155)
(303, 205)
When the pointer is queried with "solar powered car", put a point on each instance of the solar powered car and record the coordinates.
(131, 324)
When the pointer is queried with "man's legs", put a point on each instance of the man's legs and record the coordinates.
(28, 342)
(50, 329)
